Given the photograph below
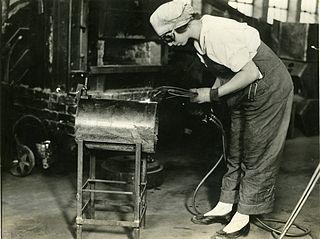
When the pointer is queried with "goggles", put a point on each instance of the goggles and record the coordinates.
(168, 37)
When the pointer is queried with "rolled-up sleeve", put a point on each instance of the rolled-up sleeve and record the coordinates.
(238, 59)
(232, 49)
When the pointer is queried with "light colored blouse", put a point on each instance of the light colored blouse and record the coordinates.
(227, 42)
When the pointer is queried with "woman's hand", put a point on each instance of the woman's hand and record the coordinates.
(248, 74)
(202, 95)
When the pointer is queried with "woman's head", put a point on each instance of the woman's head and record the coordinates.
(171, 21)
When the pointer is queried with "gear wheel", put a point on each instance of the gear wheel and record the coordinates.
(24, 163)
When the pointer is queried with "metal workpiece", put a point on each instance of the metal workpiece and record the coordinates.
(129, 94)
(118, 122)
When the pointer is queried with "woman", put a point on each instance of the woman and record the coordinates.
(259, 91)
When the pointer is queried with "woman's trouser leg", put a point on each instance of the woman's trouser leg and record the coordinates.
(231, 179)
(264, 137)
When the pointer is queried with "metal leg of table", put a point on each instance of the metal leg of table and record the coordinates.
(79, 231)
(79, 188)
(138, 193)
(92, 175)
(136, 233)
(137, 190)
(144, 196)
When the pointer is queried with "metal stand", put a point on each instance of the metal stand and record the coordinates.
(303, 199)
(138, 193)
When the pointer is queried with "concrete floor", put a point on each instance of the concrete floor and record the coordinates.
(43, 205)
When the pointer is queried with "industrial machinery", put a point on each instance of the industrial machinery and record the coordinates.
(33, 146)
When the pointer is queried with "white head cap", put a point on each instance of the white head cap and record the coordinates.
(171, 15)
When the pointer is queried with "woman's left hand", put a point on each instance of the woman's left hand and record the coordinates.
(203, 95)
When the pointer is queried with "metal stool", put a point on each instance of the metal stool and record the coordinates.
(115, 126)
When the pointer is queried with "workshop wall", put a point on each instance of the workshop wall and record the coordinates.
(55, 109)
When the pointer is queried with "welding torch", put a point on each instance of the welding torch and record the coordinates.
(172, 91)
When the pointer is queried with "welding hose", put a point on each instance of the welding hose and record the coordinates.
(261, 223)
(217, 122)
(21, 119)
(196, 211)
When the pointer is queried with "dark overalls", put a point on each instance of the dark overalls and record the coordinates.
(260, 115)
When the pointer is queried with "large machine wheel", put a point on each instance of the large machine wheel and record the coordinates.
(24, 163)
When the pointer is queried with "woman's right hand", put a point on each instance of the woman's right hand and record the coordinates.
(201, 95)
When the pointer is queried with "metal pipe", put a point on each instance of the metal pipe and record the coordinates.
(92, 184)
(17, 32)
(40, 7)
(85, 205)
(107, 181)
(82, 42)
(20, 59)
(106, 191)
(144, 191)
(79, 188)
(69, 45)
(20, 78)
(137, 181)
(9, 58)
(304, 197)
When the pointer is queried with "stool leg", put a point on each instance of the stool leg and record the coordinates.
(136, 233)
(79, 189)
(144, 196)
(137, 191)
(92, 184)
(79, 231)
